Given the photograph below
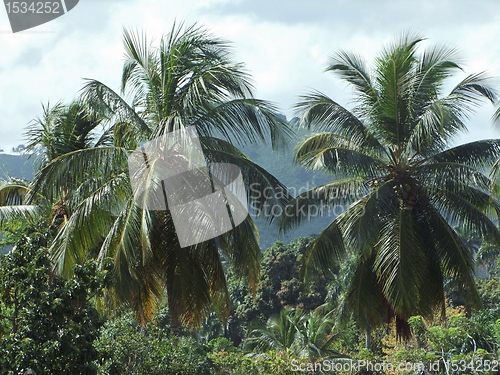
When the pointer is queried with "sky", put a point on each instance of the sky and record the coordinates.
(285, 45)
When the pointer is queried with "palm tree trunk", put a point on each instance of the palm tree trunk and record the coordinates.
(173, 311)
(172, 308)
(368, 338)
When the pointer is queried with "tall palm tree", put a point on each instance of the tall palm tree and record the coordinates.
(63, 129)
(60, 130)
(401, 185)
(189, 80)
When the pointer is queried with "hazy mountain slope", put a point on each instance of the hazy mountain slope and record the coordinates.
(296, 178)
(16, 166)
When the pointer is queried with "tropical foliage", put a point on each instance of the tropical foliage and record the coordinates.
(48, 324)
(305, 335)
(404, 186)
(127, 348)
(96, 281)
(280, 285)
(61, 130)
(189, 80)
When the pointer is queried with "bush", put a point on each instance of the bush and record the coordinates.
(280, 284)
(127, 348)
(237, 363)
(48, 323)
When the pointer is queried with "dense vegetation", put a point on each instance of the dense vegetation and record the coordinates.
(407, 273)
(301, 330)
(278, 164)
(48, 324)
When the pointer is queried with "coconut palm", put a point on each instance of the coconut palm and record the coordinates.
(189, 80)
(306, 335)
(61, 129)
(401, 185)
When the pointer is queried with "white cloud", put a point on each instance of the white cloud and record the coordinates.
(286, 45)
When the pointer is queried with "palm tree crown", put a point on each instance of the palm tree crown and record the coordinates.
(307, 335)
(403, 185)
(189, 80)
(62, 129)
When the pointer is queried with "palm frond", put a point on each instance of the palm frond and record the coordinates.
(107, 103)
(364, 297)
(321, 113)
(241, 246)
(433, 130)
(352, 68)
(243, 122)
(463, 208)
(137, 54)
(456, 176)
(322, 200)
(340, 161)
(457, 260)
(264, 191)
(398, 250)
(89, 224)
(13, 192)
(472, 90)
(18, 212)
(363, 221)
(71, 170)
(324, 253)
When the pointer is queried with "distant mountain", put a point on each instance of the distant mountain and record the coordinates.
(16, 166)
(296, 178)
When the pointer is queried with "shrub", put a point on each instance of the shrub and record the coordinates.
(48, 323)
(127, 348)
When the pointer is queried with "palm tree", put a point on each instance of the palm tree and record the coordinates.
(306, 335)
(277, 334)
(189, 80)
(401, 185)
(61, 129)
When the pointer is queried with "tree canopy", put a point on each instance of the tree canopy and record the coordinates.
(399, 182)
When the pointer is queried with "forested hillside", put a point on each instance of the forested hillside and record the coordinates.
(295, 177)
(16, 166)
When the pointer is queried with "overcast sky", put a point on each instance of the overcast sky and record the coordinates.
(285, 45)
